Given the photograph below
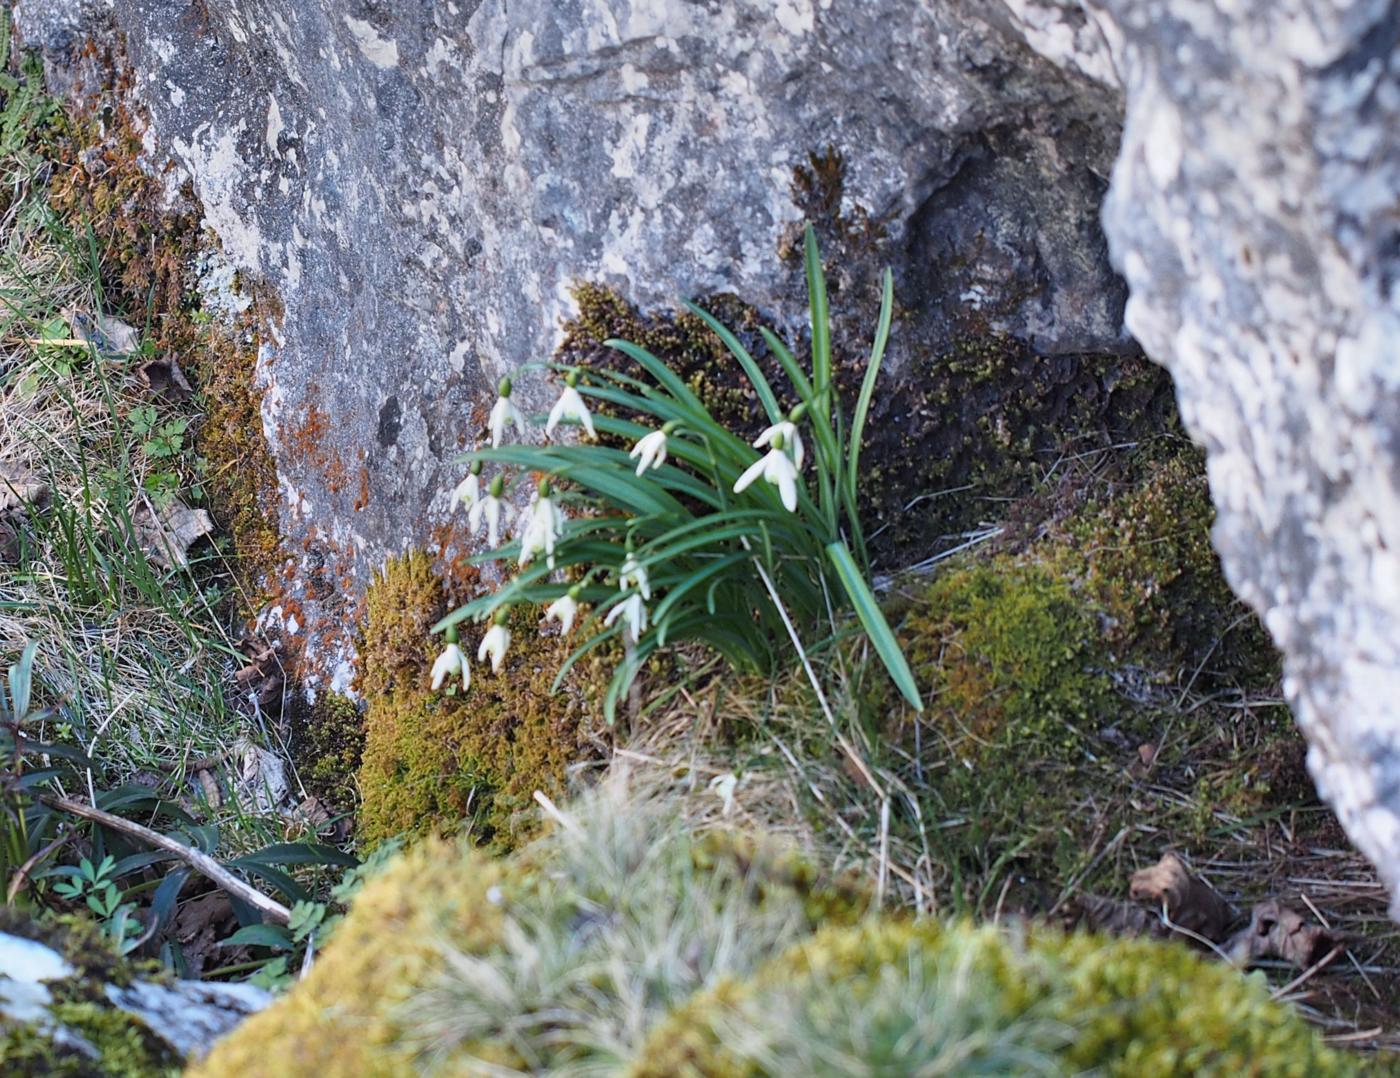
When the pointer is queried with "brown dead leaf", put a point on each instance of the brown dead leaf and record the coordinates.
(1096, 913)
(199, 926)
(110, 336)
(164, 378)
(19, 488)
(1278, 931)
(1190, 902)
(167, 535)
(209, 783)
(263, 677)
(9, 544)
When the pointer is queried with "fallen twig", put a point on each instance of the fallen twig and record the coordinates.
(199, 861)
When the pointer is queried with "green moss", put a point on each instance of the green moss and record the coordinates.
(1149, 565)
(1130, 1008)
(328, 741)
(432, 760)
(1009, 653)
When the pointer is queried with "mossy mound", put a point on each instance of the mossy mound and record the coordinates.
(620, 944)
(434, 761)
(568, 951)
(1089, 624)
(86, 1035)
(899, 997)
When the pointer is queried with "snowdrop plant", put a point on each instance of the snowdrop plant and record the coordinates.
(677, 539)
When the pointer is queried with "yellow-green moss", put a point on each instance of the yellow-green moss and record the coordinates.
(328, 741)
(1130, 1008)
(432, 761)
(342, 1019)
(1008, 651)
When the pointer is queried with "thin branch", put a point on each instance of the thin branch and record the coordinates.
(198, 860)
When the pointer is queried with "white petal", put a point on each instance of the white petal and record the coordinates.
(797, 451)
(780, 472)
(468, 490)
(517, 417)
(754, 471)
(500, 416)
(556, 414)
(474, 514)
(442, 667)
(493, 520)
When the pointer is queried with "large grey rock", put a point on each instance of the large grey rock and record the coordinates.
(1253, 212)
(421, 183)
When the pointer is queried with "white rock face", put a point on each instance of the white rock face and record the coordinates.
(1253, 211)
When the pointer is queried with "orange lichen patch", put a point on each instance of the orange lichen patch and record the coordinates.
(101, 178)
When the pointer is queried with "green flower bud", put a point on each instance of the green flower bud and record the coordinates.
(476, 467)
(502, 615)
(571, 379)
(505, 387)
(544, 487)
(670, 427)
(451, 635)
(498, 487)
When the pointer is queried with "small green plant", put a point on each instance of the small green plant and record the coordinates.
(311, 925)
(95, 886)
(694, 534)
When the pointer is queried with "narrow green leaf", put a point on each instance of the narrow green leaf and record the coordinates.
(876, 628)
(821, 318)
(867, 386)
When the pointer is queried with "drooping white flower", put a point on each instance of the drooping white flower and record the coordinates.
(633, 574)
(489, 509)
(503, 413)
(652, 450)
(494, 643)
(633, 612)
(786, 430)
(452, 663)
(542, 524)
(469, 489)
(775, 467)
(565, 609)
(570, 406)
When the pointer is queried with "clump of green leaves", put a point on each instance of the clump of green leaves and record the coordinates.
(706, 539)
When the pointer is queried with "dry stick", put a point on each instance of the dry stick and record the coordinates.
(1307, 973)
(21, 876)
(197, 860)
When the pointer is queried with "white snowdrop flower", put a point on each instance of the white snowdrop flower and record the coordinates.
(489, 510)
(543, 523)
(651, 448)
(452, 663)
(633, 574)
(495, 642)
(775, 467)
(633, 612)
(565, 609)
(787, 431)
(570, 406)
(469, 489)
(723, 787)
(503, 413)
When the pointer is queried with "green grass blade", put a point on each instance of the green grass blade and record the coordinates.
(821, 318)
(867, 386)
(876, 628)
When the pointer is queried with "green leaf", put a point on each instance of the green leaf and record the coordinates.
(821, 318)
(872, 372)
(876, 628)
(272, 936)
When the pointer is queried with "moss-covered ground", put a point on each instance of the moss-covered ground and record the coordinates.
(616, 945)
